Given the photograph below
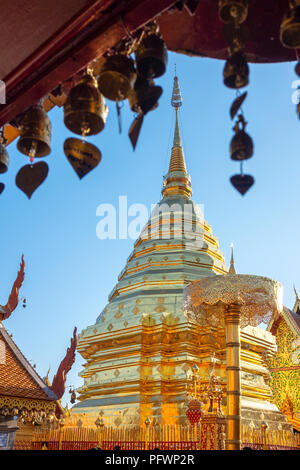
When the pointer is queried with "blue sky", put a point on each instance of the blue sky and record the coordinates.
(70, 272)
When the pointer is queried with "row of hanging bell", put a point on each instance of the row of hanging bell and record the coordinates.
(119, 72)
(236, 75)
(236, 70)
(143, 98)
(85, 114)
(34, 141)
(241, 149)
(123, 78)
(151, 61)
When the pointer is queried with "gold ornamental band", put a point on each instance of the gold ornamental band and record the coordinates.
(233, 392)
(233, 344)
(233, 441)
(234, 417)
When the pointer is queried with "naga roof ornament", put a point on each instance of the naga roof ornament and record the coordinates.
(13, 300)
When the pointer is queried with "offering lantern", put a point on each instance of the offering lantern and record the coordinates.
(194, 412)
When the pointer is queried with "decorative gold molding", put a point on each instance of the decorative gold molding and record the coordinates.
(27, 404)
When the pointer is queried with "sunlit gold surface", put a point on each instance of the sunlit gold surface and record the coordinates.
(140, 351)
(257, 296)
(233, 299)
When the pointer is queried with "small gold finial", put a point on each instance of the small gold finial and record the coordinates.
(232, 268)
(46, 379)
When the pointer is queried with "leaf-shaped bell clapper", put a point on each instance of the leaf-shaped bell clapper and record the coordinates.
(142, 99)
(290, 28)
(233, 11)
(242, 183)
(85, 111)
(4, 159)
(117, 77)
(35, 133)
(82, 156)
(30, 177)
(144, 96)
(236, 71)
(151, 56)
(241, 145)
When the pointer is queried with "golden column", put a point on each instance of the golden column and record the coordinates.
(233, 369)
(233, 301)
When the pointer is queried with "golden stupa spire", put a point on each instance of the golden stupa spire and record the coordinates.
(232, 268)
(177, 180)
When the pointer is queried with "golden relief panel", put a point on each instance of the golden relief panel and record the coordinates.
(28, 404)
(285, 376)
(160, 309)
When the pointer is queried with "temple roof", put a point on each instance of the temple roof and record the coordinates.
(291, 317)
(17, 376)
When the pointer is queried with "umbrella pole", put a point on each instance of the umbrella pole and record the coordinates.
(233, 346)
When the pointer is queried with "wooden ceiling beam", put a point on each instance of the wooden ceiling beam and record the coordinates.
(86, 37)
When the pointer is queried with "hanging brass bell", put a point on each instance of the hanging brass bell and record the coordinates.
(241, 145)
(144, 96)
(4, 159)
(35, 133)
(85, 111)
(151, 56)
(236, 71)
(116, 77)
(233, 11)
(290, 29)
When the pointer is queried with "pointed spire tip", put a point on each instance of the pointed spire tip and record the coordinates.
(176, 100)
(232, 267)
